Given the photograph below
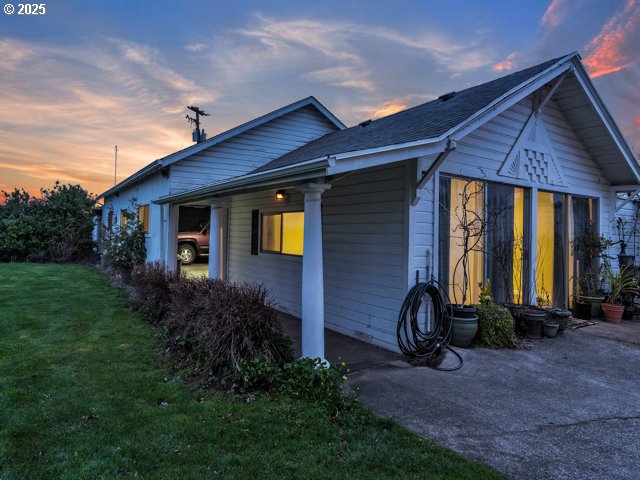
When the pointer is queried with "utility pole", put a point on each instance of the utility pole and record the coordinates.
(115, 168)
(199, 134)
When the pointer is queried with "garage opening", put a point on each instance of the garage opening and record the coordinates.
(193, 240)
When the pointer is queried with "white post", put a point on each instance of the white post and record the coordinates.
(312, 273)
(216, 239)
(172, 238)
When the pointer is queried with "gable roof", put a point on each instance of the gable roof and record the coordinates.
(428, 120)
(164, 162)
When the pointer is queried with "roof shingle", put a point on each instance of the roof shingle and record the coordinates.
(428, 120)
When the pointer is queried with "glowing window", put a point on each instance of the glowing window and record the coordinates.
(143, 217)
(283, 233)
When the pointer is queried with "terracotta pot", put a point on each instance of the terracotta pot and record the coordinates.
(612, 313)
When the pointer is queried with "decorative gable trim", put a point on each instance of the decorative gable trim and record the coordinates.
(532, 157)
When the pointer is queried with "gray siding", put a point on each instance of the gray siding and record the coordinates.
(364, 257)
(245, 152)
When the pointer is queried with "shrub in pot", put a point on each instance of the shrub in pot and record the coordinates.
(621, 283)
(495, 326)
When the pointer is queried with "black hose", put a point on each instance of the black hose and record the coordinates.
(426, 344)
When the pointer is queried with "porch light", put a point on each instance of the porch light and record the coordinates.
(281, 195)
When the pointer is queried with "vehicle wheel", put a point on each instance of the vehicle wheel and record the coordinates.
(187, 252)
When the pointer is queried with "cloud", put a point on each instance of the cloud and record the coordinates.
(389, 108)
(507, 64)
(554, 15)
(637, 121)
(196, 47)
(615, 47)
(65, 107)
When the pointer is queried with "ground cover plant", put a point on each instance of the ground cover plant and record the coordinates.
(84, 395)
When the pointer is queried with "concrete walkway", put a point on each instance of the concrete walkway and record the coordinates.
(340, 348)
(569, 408)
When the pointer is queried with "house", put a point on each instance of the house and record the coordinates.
(235, 152)
(341, 227)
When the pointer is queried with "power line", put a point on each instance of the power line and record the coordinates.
(199, 135)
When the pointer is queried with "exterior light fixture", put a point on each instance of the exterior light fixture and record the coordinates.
(281, 195)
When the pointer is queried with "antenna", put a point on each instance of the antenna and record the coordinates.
(198, 135)
(115, 167)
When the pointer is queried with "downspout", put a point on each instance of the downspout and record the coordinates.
(426, 175)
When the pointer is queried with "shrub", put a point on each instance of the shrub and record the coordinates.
(214, 326)
(124, 246)
(153, 289)
(495, 327)
(56, 227)
(303, 379)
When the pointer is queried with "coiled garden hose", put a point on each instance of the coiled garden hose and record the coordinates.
(427, 343)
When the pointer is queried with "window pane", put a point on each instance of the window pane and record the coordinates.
(271, 232)
(292, 233)
(581, 217)
(505, 242)
(551, 249)
(473, 193)
(143, 217)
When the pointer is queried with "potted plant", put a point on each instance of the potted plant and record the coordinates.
(625, 260)
(590, 248)
(581, 309)
(621, 283)
(551, 327)
(471, 226)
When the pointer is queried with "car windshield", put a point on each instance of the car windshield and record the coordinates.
(200, 225)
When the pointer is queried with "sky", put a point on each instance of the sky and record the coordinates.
(89, 75)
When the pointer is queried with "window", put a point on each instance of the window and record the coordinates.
(551, 248)
(123, 218)
(283, 233)
(143, 217)
(454, 194)
(110, 220)
(496, 217)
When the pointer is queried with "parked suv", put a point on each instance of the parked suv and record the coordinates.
(194, 243)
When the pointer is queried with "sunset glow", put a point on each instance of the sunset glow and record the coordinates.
(90, 76)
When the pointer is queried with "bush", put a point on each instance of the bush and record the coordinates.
(153, 289)
(124, 246)
(57, 227)
(495, 327)
(303, 379)
(212, 326)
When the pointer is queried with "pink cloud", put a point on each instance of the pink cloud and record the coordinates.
(554, 14)
(389, 108)
(613, 49)
(507, 64)
(637, 121)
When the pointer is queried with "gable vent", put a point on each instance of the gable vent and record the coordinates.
(447, 96)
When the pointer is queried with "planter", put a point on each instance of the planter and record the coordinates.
(464, 325)
(582, 310)
(612, 313)
(551, 329)
(625, 260)
(515, 310)
(595, 304)
(559, 316)
(534, 320)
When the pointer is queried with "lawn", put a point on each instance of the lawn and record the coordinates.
(85, 395)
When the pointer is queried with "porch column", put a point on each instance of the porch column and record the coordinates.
(312, 272)
(171, 254)
(216, 238)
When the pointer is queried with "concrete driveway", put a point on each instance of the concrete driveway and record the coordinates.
(569, 408)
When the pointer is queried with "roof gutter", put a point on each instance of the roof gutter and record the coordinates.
(297, 172)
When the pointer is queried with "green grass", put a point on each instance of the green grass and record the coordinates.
(70, 347)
